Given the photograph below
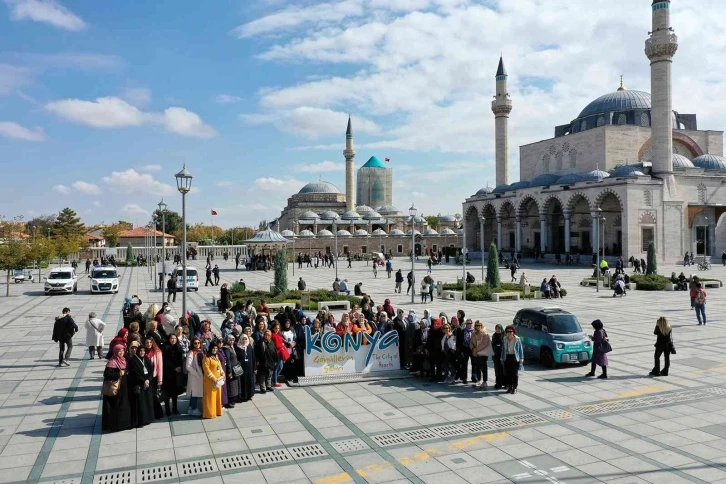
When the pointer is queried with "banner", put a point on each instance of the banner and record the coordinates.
(331, 354)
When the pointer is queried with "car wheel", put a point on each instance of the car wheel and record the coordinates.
(585, 362)
(547, 358)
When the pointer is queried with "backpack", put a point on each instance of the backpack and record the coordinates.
(700, 298)
(126, 310)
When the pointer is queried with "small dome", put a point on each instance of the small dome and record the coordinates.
(361, 232)
(416, 232)
(287, 233)
(501, 189)
(363, 209)
(419, 220)
(343, 233)
(680, 162)
(379, 232)
(447, 218)
(306, 233)
(594, 175)
(319, 187)
(448, 232)
(371, 215)
(569, 179)
(397, 232)
(430, 232)
(309, 215)
(710, 162)
(350, 215)
(374, 162)
(325, 233)
(518, 185)
(544, 180)
(388, 210)
(329, 215)
(628, 170)
(483, 192)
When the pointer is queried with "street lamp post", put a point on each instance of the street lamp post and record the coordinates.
(705, 238)
(412, 211)
(162, 209)
(481, 237)
(335, 255)
(184, 184)
(294, 227)
(597, 251)
(463, 259)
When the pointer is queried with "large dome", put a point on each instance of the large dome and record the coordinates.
(710, 162)
(319, 187)
(624, 100)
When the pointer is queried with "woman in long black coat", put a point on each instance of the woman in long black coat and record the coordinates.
(116, 413)
(225, 298)
(232, 386)
(246, 356)
(141, 373)
(173, 364)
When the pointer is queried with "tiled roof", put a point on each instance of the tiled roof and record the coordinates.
(142, 232)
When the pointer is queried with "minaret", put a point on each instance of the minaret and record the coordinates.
(349, 153)
(660, 49)
(501, 107)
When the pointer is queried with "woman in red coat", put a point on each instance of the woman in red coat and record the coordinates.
(282, 352)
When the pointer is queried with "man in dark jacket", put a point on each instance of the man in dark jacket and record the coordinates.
(399, 326)
(209, 276)
(63, 331)
(266, 358)
(171, 286)
(215, 271)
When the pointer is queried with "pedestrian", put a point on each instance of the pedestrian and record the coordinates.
(213, 375)
(64, 329)
(663, 345)
(233, 371)
(389, 268)
(600, 349)
(115, 410)
(424, 291)
(94, 335)
(464, 349)
(171, 287)
(497, 341)
(429, 263)
(246, 358)
(140, 375)
(399, 281)
(513, 270)
(375, 270)
(723, 257)
(699, 303)
(349, 261)
(195, 373)
(410, 279)
(225, 298)
(301, 284)
(172, 386)
(481, 349)
(215, 271)
(692, 289)
(432, 286)
(448, 350)
(154, 354)
(208, 273)
(512, 356)
(266, 358)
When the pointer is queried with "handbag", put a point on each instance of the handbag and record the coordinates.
(110, 387)
(237, 371)
(605, 346)
(219, 382)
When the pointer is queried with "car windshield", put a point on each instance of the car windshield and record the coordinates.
(104, 274)
(563, 324)
(60, 275)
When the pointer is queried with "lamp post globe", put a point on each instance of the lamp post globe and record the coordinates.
(184, 185)
(412, 212)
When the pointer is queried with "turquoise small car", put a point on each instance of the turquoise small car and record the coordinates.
(553, 336)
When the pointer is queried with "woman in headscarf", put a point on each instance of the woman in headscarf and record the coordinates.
(411, 322)
(289, 338)
(448, 350)
(420, 338)
(168, 323)
(246, 357)
(213, 372)
(225, 297)
(329, 324)
(227, 325)
(599, 357)
(361, 326)
(154, 354)
(172, 385)
(481, 350)
(433, 349)
(497, 340)
(388, 308)
(663, 345)
(223, 360)
(266, 358)
(140, 376)
(195, 377)
(231, 362)
(120, 339)
(116, 412)
(343, 327)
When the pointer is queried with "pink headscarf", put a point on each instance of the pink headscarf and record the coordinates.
(117, 361)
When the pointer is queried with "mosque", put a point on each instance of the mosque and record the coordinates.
(627, 171)
(319, 210)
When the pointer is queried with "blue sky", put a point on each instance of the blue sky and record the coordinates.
(100, 106)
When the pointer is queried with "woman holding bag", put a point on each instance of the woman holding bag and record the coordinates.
(600, 349)
(481, 350)
(213, 382)
(663, 345)
(233, 370)
(116, 413)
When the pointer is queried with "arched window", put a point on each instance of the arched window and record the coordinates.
(622, 120)
(600, 121)
(546, 163)
(573, 158)
(644, 120)
(558, 158)
(583, 125)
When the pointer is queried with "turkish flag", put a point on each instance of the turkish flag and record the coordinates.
(214, 212)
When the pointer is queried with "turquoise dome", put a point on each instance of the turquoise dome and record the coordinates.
(544, 180)
(374, 162)
(501, 189)
(518, 185)
(710, 162)
(569, 179)
(627, 170)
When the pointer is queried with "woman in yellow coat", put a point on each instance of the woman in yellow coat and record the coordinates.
(212, 386)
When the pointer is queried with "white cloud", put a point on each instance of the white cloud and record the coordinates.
(271, 184)
(10, 129)
(86, 188)
(227, 99)
(321, 167)
(312, 122)
(45, 11)
(11, 77)
(150, 168)
(134, 210)
(61, 189)
(131, 181)
(114, 112)
(138, 96)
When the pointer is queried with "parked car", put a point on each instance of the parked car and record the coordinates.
(104, 279)
(20, 275)
(553, 336)
(192, 278)
(61, 280)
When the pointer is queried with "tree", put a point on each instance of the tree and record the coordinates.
(68, 224)
(112, 234)
(281, 271)
(262, 225)
(42, 249)
(66, 246)
(236, 235)
(124, 225)
(433, 221)
(129, 255)
(652, 265)
(13, 255)
(493, 267)
(40, 224)
(172, 221)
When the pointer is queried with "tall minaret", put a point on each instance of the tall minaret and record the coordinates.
(349, 153)
(660, 49)
(501, 107)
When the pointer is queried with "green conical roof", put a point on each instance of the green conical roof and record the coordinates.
(374, 162)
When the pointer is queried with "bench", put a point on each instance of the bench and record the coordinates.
(631, 286)
(538, 294)
(505, 295)
(588, 282)
(335, 305)
(277, 306)
(714, 284)
(454, 295)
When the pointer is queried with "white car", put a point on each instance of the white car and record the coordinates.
(104, 279)
(192, 278)
(61, 280)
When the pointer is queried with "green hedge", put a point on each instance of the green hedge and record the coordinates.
(291, 296)
(653, 282)
(482, 292)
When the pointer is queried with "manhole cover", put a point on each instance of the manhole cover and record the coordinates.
(196, 467)
(386, 440)
(235, 462)
(307, 451)
(349, 445)
(272, 457)
(124, 477)
(158, 473)
(419, 435)
(448, 430)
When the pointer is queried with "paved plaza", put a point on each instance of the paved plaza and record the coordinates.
(559, 428)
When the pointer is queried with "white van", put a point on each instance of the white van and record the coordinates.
(61, 280)
(104, 279)
(192, 278)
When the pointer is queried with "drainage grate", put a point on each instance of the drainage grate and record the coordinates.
(235, 462)
(72, 480)
(349, 445)
(158, 473)
(272, 457)
(196, 467)
(448, 431)
(308, 451)
(559, 414)
(123, 477)
(419, 435)
(528, 419)
(386, 440)
(502, 422)
(716, 390)
(645, 402)
(476, 427)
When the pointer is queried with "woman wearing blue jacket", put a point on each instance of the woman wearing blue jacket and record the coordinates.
(512, 358)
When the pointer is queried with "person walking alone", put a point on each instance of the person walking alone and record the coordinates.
(399, 281)
(663, 345)
(410, 279)
(208, 273)
(171, 287)
(215, 271)
(389, 268)
(600, 349)
(699, 303)
(94, 335)
(63, 331)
